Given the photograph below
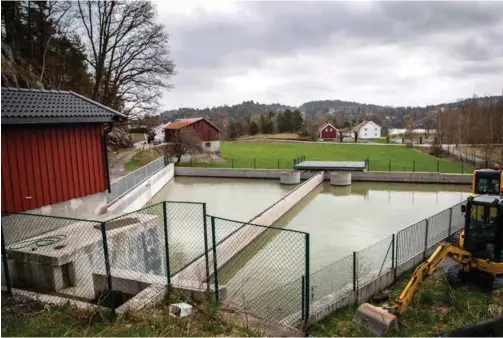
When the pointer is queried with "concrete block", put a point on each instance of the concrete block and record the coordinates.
(290, 177)
(180, 310)
(340, 178)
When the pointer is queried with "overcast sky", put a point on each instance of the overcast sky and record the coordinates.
(389, 53)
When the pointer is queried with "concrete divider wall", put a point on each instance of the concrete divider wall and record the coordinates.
(245, 235)
(278, 209)
(143, 193)
(363, 176)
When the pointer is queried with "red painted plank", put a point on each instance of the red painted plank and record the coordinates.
(56, 165)
(37, 197)
(45, 196)
(63, 179)
(98, 150)
(80, 162)
(69, 163)
(101, 154)
(85, 160)
(8, 193)
(20, 166)
(89, 147)
(53, 195)
(28, 158)
(75, 164)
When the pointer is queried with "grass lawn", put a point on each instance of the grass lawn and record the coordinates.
(32, 319)
(437, 307)
(273, 155)
(143, 158)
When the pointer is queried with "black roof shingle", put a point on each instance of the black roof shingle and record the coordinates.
(25, 106)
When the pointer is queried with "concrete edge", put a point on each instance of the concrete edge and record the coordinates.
(360, 176)
(55, 300)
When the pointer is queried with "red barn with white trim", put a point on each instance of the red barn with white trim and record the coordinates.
(327, 132)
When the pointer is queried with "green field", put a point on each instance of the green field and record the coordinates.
(280, 155)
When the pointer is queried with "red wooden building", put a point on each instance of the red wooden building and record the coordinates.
(327, 132)
(199, 128)
(53, 147)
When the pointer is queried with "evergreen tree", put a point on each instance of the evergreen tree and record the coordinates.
(253, 128)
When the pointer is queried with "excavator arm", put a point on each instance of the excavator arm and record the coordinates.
(426, 269)
(379, 320)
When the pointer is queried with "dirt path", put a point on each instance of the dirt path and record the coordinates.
(117, 161)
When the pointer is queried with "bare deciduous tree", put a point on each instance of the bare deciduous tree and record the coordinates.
(127, 51)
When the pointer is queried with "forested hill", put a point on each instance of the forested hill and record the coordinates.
(392, 117)
(246, 109)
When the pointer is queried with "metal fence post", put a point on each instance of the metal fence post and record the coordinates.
(254, 163)
(307, 281)
(389, 166)
(215, 264)
(355, 274)
(206, 253)
(462, 167)
(393, 266)
(6, 267)
(232, 161)
(303, 297)
(107, 263)
(426, 237)
(166, 245)
(414, 166)
(368, 164)
(396, 253)
(438, 166)
(450, 222)
(278, 163)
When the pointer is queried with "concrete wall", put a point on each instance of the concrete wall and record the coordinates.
(278, 209)
(83, 207)
(143, 193)
(214, 146)
(364, 176)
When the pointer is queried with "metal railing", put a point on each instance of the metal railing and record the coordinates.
(125, 184)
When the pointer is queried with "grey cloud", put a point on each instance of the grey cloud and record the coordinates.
(209, 46)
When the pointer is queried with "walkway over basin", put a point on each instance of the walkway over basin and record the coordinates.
(332, 165)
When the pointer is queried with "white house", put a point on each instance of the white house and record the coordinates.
(366, 130)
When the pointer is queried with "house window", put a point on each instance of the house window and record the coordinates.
(365, 129)
(207, 144)
(329, 129)
(365, 134)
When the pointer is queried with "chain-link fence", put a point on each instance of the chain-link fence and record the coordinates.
(375, 260)
(52, 255)
(411, 241)
(355, 271)
(262, 267)
(123, 185)
(172, 244)
(336, 279)
(257, 269)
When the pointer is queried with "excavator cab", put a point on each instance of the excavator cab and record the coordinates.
(487, 181)
(483, 234)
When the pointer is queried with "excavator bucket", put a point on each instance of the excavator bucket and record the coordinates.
(375, 319)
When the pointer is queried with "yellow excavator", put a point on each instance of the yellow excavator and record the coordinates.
(487, 181)
(479, 253)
